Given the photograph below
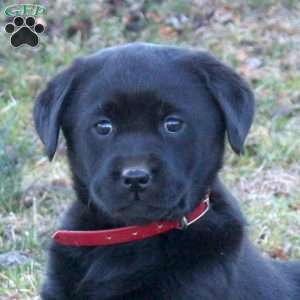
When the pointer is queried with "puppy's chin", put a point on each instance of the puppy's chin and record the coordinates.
(143, 214)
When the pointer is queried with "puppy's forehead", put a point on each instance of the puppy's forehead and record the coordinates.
(138, 69)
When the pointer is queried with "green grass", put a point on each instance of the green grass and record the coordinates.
(20, 282)
(265, 179)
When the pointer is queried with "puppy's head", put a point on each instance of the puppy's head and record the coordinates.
(145, 127)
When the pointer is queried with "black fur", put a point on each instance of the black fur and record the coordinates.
(136, 87)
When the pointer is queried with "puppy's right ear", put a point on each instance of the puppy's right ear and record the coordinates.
(48, 109)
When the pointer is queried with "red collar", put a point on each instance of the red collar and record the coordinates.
(130, 233)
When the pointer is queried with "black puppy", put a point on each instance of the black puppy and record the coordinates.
(145, 128)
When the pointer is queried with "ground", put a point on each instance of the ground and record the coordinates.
(260, 39)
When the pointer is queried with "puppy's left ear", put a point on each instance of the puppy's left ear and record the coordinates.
(233, 95)
(49, 106)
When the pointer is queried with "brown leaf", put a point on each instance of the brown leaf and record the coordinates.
(241, 55)
(83, 26)
(167, 32)
(278, 253)
(153, 16)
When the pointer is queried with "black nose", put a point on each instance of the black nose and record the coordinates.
(136, 178)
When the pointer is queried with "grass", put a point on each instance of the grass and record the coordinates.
(265, 179)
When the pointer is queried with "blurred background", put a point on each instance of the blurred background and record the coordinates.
(259, 38)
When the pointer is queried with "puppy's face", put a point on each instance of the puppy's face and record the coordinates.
(145, 154)
(145, 131)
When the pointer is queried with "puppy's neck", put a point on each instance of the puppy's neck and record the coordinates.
(219, 232)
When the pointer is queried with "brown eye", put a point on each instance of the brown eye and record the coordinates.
(104, 127)
(173, 124)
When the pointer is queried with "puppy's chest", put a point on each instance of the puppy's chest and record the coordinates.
(144, 279)
(169, 287)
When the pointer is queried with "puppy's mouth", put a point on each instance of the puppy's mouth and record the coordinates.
(142, 214)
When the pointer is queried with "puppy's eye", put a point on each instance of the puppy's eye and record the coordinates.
(173, 124)
(103, 127)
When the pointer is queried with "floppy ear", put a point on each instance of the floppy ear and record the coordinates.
(49, 107)
(233, 95)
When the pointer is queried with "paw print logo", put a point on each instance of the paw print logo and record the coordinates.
(24, 31)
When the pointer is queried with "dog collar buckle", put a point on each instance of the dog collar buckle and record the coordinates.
(186, 221)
